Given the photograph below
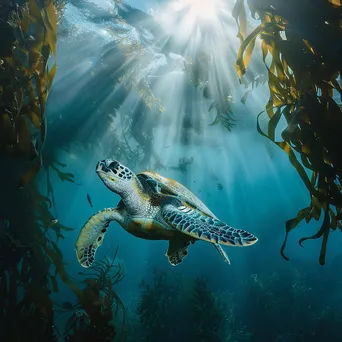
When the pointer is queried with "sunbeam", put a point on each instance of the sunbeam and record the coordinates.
(200, 9)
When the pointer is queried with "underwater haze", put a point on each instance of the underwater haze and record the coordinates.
(154, 85)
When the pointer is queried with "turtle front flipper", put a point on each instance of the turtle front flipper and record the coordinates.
(200, 226)
(92, 234)
(177, 251)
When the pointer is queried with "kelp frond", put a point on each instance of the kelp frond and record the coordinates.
(26, 78)
(302, 78)
(98, 304)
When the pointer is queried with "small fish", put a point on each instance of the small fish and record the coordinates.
(219, 186)
(89, 200)
(52, 223)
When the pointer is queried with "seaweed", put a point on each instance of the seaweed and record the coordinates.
(30, 260)
(217, 91)
(302, 78)
(30, 264)
(93, 315)
(261, 307)
(27, 72)
(178, 311)
(157, 304)
(276, 301)
(183, 164)
(207, 313)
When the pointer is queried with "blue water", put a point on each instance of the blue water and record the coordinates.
(261, 189)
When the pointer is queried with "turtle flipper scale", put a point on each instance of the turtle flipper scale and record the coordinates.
(92, 234)
(200, 226)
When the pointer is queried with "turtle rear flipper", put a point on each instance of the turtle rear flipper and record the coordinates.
(200, 226)
(92, 234)
(177, 251)
(222, 253)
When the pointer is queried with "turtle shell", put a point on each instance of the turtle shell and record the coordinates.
(171, 187)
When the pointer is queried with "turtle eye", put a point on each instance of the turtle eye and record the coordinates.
(113, 166)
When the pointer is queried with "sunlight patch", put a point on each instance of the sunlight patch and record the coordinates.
(202, 9)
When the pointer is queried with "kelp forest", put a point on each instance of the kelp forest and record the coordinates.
(292, 47)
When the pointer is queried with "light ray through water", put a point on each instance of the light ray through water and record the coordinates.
(173, 64)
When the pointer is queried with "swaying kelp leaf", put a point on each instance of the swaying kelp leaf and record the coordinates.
(335, 2)
(301, 79)
(51, 75)
(324, 231)
(324, 227)
(246, 49)
(68, 229)
(50, 21)
(34, 119)
(324, 247)
(293, 159)
(64, 176)
(239, 15)
(29, 175)
(216, 120)
(7, 131)
(24, 135)
(24, 75)
(34, 9)
(272, 124)
(212, 106)
(244, 97)
(54, 284)
(290, 225)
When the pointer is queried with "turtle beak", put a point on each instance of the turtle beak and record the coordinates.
(100, 165)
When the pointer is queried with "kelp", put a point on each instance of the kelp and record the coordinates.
(28, 30)
(60, 7)
(221, 95)
(30, 260)
(277, 300)
(92, 316)
(158, 302)
(184, 164)
(207, 314)
(179, 309)
(30, 264)
(303, 79)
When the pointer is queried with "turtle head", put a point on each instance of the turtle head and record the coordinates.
(114, 175)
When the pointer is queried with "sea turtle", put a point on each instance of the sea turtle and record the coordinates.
(155, 208)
